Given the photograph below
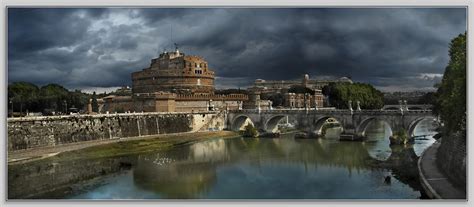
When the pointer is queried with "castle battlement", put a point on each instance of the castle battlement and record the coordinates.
(175, 72)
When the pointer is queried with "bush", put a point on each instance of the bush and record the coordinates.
(250, 131)
(399, 137)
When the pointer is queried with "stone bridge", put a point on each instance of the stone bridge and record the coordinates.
(352, 121)
(408, 107)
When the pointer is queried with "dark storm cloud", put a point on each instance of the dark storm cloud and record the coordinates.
(392, 48)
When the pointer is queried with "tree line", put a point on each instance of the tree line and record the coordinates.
(450, 98)
(339, 95)
(27, 97)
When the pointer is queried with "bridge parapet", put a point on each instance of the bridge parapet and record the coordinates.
(313, 120)
(334, 111)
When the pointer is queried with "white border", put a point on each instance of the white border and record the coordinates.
(232, 3)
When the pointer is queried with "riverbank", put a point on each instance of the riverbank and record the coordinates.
(108, 148)
(436, 184)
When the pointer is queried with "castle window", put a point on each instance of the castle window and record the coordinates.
(195, 64)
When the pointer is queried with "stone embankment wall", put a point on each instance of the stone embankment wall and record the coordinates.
(34, 132)
(51, 180)
(451, 157)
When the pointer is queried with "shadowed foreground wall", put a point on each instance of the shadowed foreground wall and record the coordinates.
(451, 158)
(26, 133)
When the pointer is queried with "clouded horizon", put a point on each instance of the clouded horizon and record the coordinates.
(394, 49)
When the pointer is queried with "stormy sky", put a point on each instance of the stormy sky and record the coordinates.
(395, 49)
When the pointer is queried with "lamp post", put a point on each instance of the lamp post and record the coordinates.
(11, 103)
(65, 105)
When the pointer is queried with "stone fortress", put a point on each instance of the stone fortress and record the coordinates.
(175, 72)
(174, 82)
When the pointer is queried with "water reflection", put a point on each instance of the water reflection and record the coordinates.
(377, 140)
(265, 168)
(424, 133)
(275, 168)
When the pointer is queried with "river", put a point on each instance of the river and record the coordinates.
(268, 168)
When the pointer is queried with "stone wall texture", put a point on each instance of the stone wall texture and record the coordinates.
(49, 180)
(451, 157)
(34, 132)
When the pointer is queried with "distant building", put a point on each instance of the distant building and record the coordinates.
(279, 85)
(303, 100)
(311, 99)
(124, 90)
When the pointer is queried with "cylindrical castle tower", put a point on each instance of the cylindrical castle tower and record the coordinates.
(175, 72)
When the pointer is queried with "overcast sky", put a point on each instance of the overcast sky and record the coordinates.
(94, 49)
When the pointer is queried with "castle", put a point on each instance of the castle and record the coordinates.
(175, 72)
(174, 82)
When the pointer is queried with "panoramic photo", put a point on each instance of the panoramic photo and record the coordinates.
(236, 103)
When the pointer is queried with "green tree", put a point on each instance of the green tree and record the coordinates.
(78, 99)
(300, 89)
(340, 94)
(54, 96)
(23, 96)
(95, 105)
(250, 131)
(428, 98)
(450, 102)
(276, 98)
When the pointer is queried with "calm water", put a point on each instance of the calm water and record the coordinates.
(266, 168)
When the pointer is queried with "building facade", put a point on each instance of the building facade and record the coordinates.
(278, 86)
(303, 100)
(177, 73)
(312, 99)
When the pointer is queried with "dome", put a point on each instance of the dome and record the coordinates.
(345, 79)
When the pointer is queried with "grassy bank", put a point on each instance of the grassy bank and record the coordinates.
(135, 146)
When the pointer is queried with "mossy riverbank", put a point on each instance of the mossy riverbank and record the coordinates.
(129, 146)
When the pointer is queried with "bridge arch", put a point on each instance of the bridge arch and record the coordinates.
(319, 123)
(361, 128)
(412, 126)
(272, 124)
(240, 121)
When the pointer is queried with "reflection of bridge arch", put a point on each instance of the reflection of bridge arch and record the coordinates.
(272, 124)
(360, 130)
(319, 123)
(240, 121)
(414, 124)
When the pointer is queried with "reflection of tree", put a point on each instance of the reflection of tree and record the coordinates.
(182, 180)
(184, 172)
(403, 164)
